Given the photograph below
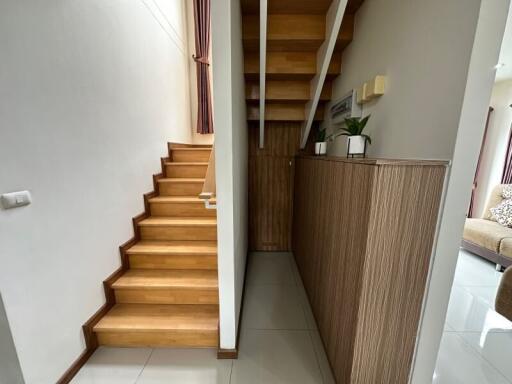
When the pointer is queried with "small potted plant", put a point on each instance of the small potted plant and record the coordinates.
(356, 145)
(320, 142)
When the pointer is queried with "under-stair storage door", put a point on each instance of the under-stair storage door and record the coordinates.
(363, 234)
(271, 172)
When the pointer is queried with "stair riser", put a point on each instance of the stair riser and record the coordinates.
(190, 339)
(186, 170)
(178, 233)
(182, 210)
(167, 296)
(180, 189)
(173, 261)
(198, 156)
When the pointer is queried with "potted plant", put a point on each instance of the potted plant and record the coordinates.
(356, 145)
(320, 142)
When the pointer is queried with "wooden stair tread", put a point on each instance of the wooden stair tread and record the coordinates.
(179, 221)
(177, 199)
(174, 247)
(158, 317)
(191, 149)
(186, 163)
(181, 180)
(161, 278)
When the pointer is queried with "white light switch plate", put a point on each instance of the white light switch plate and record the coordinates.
(16, 199)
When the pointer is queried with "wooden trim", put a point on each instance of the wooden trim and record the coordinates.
(75, 367)
(91, 341)
(487, 254)
(233, 353)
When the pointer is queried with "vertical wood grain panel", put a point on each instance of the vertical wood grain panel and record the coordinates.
(400, 239)
(362, 236)
(271, 175)
(331, 215)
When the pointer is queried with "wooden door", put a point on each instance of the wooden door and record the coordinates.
(271, 185)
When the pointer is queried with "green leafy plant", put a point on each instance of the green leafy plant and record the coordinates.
(354, 127)
(321, 135)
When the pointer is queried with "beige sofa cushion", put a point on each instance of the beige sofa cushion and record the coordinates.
(506, 247)
(486, 233)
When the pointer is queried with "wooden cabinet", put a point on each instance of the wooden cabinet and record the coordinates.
(363, 232)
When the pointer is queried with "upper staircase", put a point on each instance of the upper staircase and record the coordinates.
(166, 294)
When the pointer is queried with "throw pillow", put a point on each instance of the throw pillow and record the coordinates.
(502, 213)
(507, 191)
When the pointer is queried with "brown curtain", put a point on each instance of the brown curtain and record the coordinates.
(506, 176)
(204, 96)
(475, 179)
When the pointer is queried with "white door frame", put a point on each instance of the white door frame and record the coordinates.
(481, 76)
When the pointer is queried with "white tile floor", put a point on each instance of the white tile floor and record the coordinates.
(279, 342)
(476, 347)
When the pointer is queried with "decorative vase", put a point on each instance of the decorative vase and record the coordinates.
(321, 148)
(356, 146)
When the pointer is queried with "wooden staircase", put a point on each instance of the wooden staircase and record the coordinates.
(166, 293)
(295, 31)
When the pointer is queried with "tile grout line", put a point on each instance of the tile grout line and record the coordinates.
(231, 371)
(482, 356)
(144, 367)
(317, 358)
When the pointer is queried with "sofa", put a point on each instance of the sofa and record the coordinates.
(486, 238)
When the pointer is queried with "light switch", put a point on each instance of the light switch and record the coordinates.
(16, 199)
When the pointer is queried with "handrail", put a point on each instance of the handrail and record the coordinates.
(209, 187)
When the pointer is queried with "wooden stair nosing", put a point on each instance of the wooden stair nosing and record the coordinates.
(167, 279)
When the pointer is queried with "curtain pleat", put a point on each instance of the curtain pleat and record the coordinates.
(202, 38)
(506, 177)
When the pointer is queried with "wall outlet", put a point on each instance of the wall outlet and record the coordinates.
(15, 199)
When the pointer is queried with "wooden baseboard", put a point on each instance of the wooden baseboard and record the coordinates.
(231, 354)
(91, 341)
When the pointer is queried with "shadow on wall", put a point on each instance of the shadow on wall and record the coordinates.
(9, 365)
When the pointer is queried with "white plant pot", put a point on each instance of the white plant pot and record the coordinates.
(321, 148)
(356, 145)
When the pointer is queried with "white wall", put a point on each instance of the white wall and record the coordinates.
(435, 107)
(423, 48)
(493, 155)
(231, 158)
(90, 93)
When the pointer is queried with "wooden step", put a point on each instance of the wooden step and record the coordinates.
(142, 325)
(288, 6)
(294, 32)
(179, 145)
(185, 169)
(173, 255)
(146, 286)
(286, 90)
(180, 186)
(182, 228)
(180, 206)
(288, 65)
(189, 155)
(283, 112)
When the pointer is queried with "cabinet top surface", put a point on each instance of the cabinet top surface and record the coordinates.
(377, 161)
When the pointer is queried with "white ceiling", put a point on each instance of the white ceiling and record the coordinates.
(505, 70)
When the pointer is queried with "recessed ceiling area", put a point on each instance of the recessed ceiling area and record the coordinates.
(504, 71)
